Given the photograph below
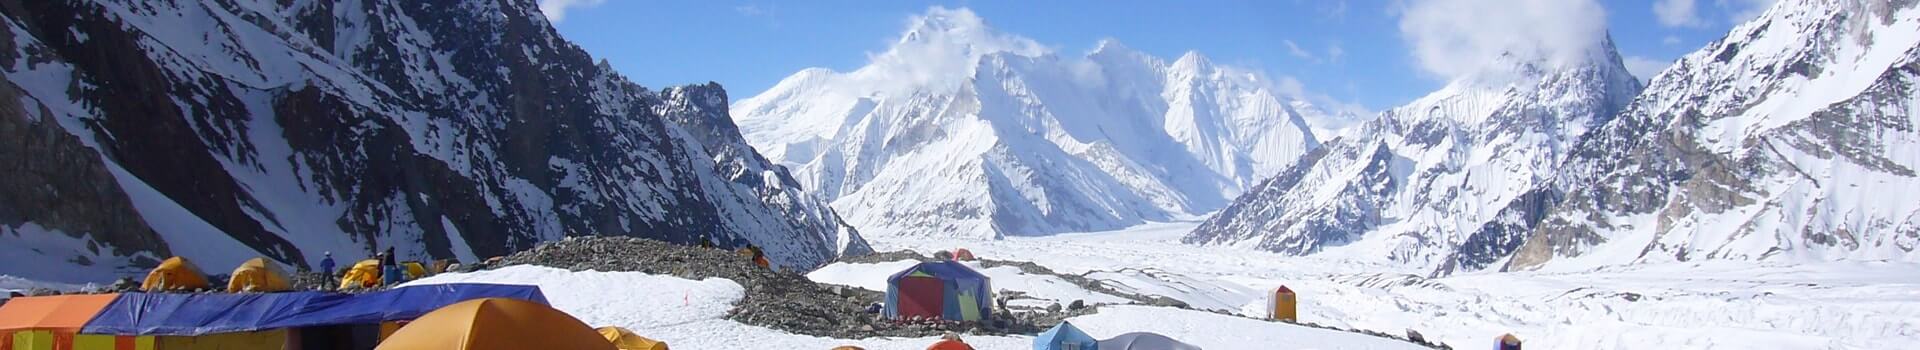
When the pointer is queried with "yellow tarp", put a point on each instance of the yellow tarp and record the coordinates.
(258, 275)
(496, 323)
(625, 339)
(175, 274)
(363, 274)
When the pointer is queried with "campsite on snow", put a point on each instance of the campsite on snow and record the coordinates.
(1063, 175)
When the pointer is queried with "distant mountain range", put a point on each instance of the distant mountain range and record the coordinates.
(1793, 138)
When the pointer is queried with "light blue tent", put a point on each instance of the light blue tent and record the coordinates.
(1065, 337)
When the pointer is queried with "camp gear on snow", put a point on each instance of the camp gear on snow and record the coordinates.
(1283, 305)
(496, 323)
(962, 254)
(258, 275)
(939, 290)
(363, 274)
(624, 339)
(414, 270)
(1144, 341)
(1507, 342)
(1064, 337)
(175, 274)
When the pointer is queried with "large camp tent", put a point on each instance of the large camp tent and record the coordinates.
(624, 339)
(54, 322)
(258, 275)
(175, 274)
(496, 323)
(939, 290)
(1065, 337)
(1144, 341)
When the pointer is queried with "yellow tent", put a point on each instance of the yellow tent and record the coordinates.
(258, 275)
(496, 323)
(364, 274)
(414, 269)
(175, 274)
(1284, 306)
(626, 340)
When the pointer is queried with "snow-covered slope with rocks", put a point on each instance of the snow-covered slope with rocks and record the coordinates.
(1792, 139)
(960, 130)
(1411, 185)
(222, 130)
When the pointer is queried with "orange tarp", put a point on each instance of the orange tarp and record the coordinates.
(496, 323)
(62, 313)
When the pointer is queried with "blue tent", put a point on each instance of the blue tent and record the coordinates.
(939, 290)
(202, 314)
(1065, 337)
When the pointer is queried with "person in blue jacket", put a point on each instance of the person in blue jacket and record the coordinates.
(326, 266)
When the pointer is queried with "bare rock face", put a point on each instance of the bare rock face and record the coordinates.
(443, 129)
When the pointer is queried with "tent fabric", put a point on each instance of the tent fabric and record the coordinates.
(363, 274)
(1065, 337)
(950, 345)
(964, 295)
(963, 254)
(1507, 342)
(1283, 305)
(175, 274)
(258, 275)
(414, 270)
(60, 313)
(624, 339)
(496, 323)
(1144, 341)
(202, 314)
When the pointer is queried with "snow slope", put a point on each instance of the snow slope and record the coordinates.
(960, 130)
(690, 315)
(1707, 304)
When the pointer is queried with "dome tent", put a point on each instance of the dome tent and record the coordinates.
(496, 323)
(944, 290)
(258, 275)
(1064, 337)
(1144, 341)
(626, 340)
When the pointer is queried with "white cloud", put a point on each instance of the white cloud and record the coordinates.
(1671, 40)
(1460, 38)
(1296, 51)
(556, 10)
(749, 10)
(1740, 11)
(938, 43)
(1334, 52)
(1645, 68)
(1677, 13)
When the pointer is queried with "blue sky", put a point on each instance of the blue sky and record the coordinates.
(1356, 51)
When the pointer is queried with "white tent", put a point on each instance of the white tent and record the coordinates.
(1144, 341)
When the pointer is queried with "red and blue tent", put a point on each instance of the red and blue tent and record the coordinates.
(944, 290)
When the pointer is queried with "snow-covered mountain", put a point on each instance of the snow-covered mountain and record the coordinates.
(960, 130)
(222, 130)
(1792, 139)
(1410, 185)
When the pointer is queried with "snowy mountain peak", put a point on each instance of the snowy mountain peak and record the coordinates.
(1038, 143)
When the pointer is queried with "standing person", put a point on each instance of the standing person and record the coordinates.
(326, 266)
(389, 271)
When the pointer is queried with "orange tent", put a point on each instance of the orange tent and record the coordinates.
(175, 274)
(258, 275)
(626, 340)
(962, 254)
(44, 323)
(496, 323)
(1284, 306)
(950, 344)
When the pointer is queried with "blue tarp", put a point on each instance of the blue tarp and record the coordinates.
(202, 314)
(1065, 337)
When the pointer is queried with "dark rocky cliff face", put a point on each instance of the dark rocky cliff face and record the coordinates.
(446, 129)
